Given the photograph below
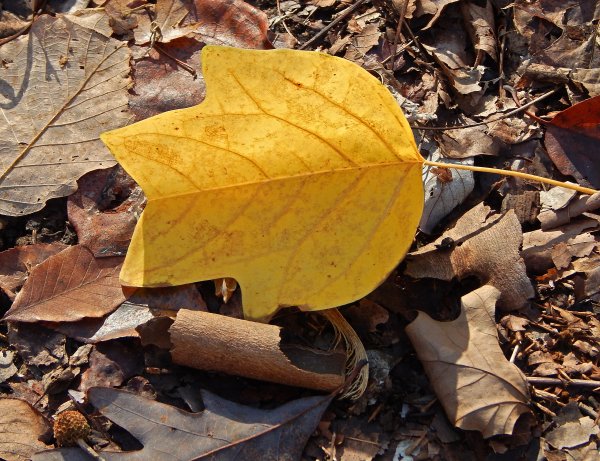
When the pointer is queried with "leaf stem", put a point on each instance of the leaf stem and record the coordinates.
(516, 174)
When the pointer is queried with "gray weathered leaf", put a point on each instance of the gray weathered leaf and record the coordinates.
(223, 431)
(60, 87)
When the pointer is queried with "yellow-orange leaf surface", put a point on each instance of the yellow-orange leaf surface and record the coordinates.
(298, 176)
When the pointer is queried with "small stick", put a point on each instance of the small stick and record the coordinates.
(487, 122)
(89, 450)
(515, 351)
(347, 12)
(398, 29)
(516, 174)
(542, 381)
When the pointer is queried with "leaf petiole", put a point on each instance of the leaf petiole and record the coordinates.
(516, 174)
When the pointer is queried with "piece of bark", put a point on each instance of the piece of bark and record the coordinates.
(254, 350)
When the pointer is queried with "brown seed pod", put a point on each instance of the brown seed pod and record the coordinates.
(70, 426)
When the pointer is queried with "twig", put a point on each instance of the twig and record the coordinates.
(487, 122)
(542, 381)
(285, 26)
(398, 29)
(347, 12)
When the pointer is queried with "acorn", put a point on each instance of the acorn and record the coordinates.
(70, 427)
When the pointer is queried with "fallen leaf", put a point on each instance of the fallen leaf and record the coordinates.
(479, 21)
(538, 244)
(571, 140)
(550, 218)
(37, 346)
(139, 309)
(168, 22)
(434, 7)
(20, 427)
(478, 388)
(16, 263)
(69, 286)
(445, 189)
(237, 214)
(111, 364)
(105, 229)
(51, 140)
(573, 429)
(485, 246)
(224, 430)
(161, 84)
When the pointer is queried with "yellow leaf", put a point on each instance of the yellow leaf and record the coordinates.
(298, 176)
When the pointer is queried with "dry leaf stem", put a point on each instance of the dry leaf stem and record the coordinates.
(516, 174)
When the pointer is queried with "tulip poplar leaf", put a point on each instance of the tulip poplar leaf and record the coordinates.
(298, 176)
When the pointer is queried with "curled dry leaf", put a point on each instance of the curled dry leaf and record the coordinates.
(223, 431)
(445, 189)
(224, 198)
(61, 86)
(69, 286)
(486, 246)
(550, 218)
(478, 388)
(20, 427)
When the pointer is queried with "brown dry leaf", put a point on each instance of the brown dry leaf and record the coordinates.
(223, 430)
(104, 229)
(231, 23)
(538, 244)
(434, 7)
(111, 364)
(60, 87)
(20, 427)
(571, 141)
(573, 429)
(69, 286)
(16, 263)
(477, 386)
(161, 84)
(169, 22)
(468, 143)
(480, 24)
(487, 246)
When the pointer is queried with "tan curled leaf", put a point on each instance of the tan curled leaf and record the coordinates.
(479, 388)
(60, 87)
(69, 286)
(20, 427)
